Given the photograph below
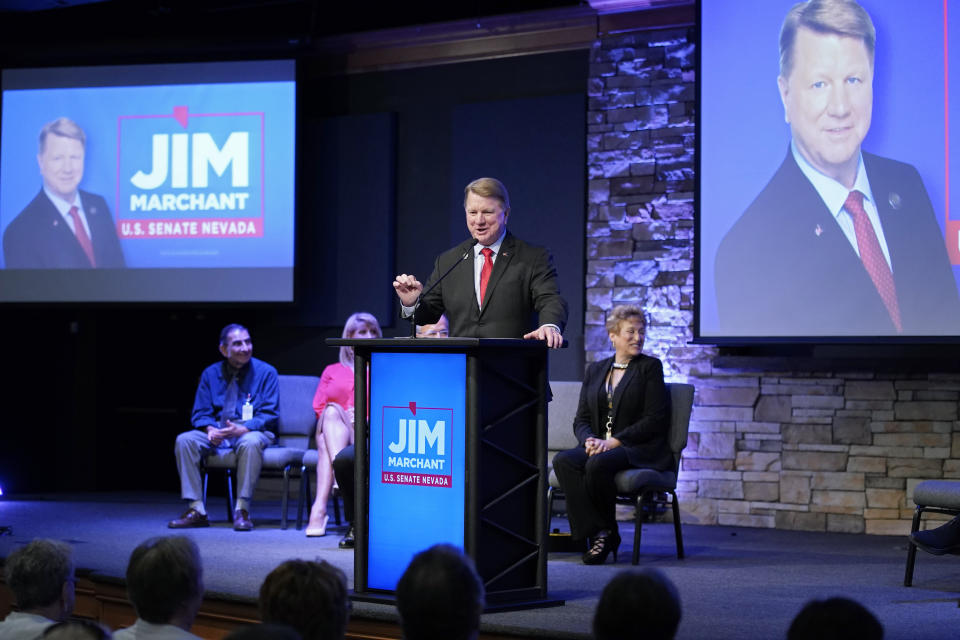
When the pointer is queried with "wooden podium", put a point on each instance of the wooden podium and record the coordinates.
(453, 450)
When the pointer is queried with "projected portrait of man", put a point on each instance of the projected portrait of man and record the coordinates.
(840, 242)
(63, 227)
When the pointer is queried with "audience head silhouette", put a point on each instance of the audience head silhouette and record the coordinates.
(637, 603)
(309, 596)
(76, 630)
(165, 580)
(835, 619)
(264, 632)
(40, 574)
(440, 596)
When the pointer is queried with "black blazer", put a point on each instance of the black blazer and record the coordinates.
(38, 238)
(522, 293)
(641, 411)
(786, 265)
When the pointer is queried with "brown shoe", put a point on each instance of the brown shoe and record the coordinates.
(190, 518)
(241, 520)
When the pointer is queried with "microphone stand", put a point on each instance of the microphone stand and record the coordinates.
(416, 305)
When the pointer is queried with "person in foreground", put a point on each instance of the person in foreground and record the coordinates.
(637, 603)
(63, 227)
(310, 597)
(621, 423)
(941, 540)
(333, 406)
(835, 619)
(440, 596)
(40, 575)
(76, 630)
(264, 631)
(510, 283)
(235, 409)
(840, 241)
(343, 462)
(165, 587)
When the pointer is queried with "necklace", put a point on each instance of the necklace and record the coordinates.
(609, 425)
(620, 365)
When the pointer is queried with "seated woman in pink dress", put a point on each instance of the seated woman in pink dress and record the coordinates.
(333, 404)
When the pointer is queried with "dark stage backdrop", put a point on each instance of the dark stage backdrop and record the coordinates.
(95, 395)
(396, 150)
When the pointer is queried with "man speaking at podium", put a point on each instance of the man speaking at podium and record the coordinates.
(510, 281)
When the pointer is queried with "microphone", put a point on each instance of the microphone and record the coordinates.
(413, 316)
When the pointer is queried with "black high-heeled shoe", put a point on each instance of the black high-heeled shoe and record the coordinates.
(603, 545)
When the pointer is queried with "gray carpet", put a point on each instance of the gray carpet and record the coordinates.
(734, 582)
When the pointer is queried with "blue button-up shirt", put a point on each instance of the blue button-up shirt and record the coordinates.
(257, 381)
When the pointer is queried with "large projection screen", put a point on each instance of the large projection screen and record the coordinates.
(780, 255)
(181, 177)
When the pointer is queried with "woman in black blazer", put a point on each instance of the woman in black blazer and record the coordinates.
(621, 423)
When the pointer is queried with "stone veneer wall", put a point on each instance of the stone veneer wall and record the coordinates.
(828, 451)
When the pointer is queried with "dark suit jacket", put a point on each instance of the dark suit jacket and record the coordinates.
(786, 268)
(38, 238)
(521, 294)
(641, 411)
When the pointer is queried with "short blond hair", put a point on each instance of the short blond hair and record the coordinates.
(63, 127)
(488, 188)
(624, 312)
(840, 17)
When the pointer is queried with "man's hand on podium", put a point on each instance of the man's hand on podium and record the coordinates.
(548, 333)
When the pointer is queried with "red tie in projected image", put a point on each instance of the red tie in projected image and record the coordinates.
(82, 236)
(872, 256)
(485, 271)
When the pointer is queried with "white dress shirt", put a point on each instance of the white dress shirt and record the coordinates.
(23, 626)
(64, 208)
(835, 194)
(478, 260)
(143, 630)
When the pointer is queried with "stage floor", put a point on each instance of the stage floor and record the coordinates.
(734, 582)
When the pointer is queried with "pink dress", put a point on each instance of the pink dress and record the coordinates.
(336, 387)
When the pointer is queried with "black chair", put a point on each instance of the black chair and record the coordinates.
(635, 485)
(930, 496)
(294, 431)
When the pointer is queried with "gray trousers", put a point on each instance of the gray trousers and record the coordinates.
(193, 445)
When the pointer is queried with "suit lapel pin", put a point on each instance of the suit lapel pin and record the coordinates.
(56, 223)
(818, 230)
(895, 200)
(93, 211)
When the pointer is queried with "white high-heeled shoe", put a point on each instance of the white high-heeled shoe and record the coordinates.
(318, 532)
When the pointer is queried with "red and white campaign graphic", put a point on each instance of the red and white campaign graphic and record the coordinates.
(417, 446)
(190, 175)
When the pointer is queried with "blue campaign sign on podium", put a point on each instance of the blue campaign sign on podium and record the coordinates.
(417, 459)
(453, 451)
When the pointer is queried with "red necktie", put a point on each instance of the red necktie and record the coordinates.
(82, 236)
(485, 271)
(872, 256)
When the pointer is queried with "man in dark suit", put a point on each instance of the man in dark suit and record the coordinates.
(840, 242)
(62, 227)
(511, 291)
